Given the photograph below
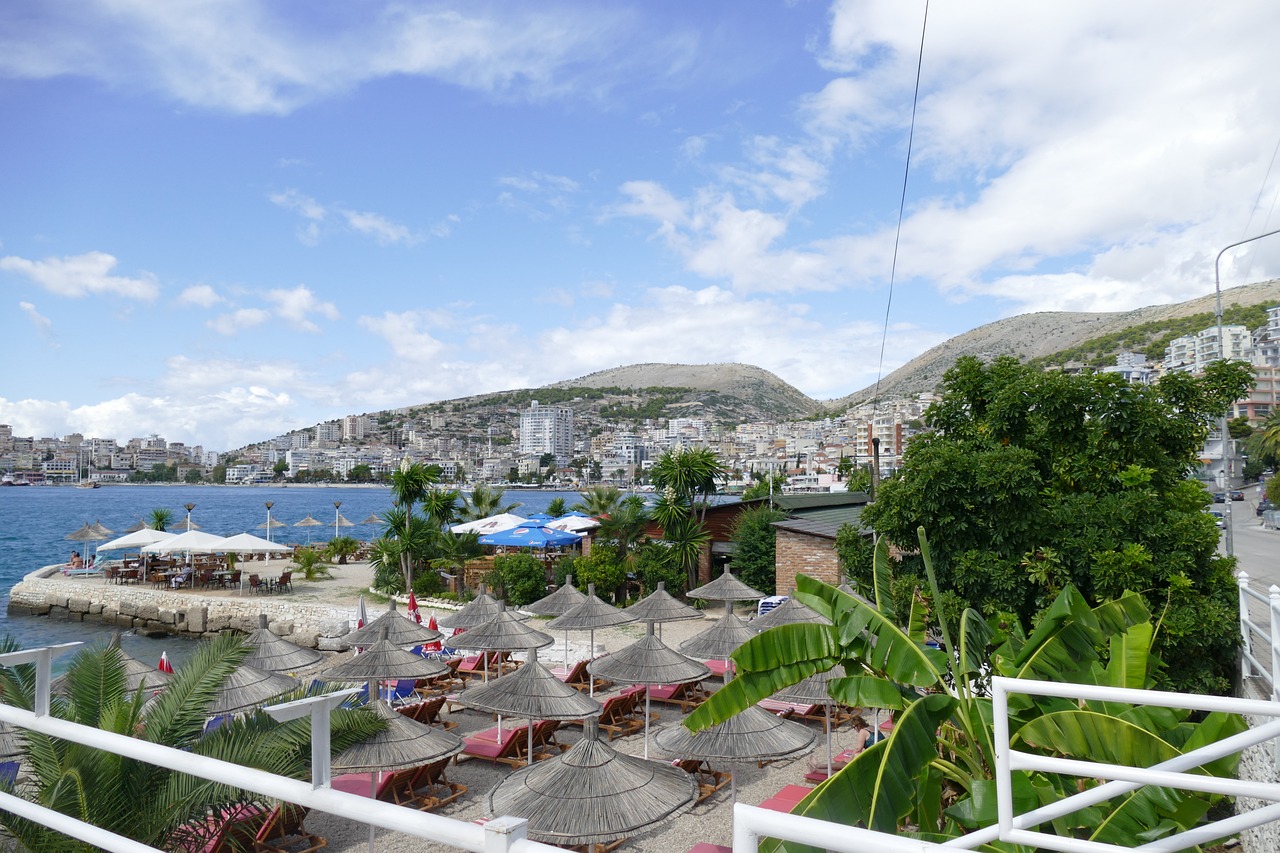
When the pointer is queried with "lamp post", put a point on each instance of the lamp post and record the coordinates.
(1222, 350)
(189, 507)
(269, 505)
(336, 516)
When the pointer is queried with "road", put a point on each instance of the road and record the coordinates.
(1257, 551)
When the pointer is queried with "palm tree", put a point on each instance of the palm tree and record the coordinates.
(410, 484)
(414, 538)
(441, 506)
(160, 518)
(691, 473)
(598, 501)
(484, 501)
(626, 527)
(342, 548)
(556, 507)
(151, 804)
(1267, 437)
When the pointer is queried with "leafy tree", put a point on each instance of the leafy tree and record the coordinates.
(485, 501)
(765, 487)
(1239, 428)
(625, 527)
(519, 578)
(151, 804)
(160, 518)
(193, 476)
(654, 562)
(280, 468)
(754, 537)
(932, 777)
(1043, 480)
(686, 478)
(360, 474)
(603, 567)
(342, 548)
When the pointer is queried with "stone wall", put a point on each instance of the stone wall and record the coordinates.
(158, 611)
(1258, 763)
(798, 553)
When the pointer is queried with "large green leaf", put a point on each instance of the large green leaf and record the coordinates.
(975, 637)
(979, 808)
(868, 691)
(882, 572)
(748, 689)
(1066, 641)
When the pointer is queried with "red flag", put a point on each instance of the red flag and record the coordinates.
(431, 623)
(434, 645)
(165, 666)
(361, 616)
(413, 608)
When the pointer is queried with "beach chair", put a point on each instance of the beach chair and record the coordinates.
(709, 781)
(786, 799)
(428, 712)
(284, 582)
(442, 683)
(687, 696)
(402, 691)
(283, 832)
(256, 584)
(233, 829)
(708, 847)
(577, 676)
(498, 663)
(508, 750)
(544, 740)
(431, 787)
(617, 715)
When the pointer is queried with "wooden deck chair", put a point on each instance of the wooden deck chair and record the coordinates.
(578, 677)
(708, 847)
(487, 746)
(428, 711)
(709, 781)
(545, 744)
(599, 848)
(234, 828)
(617, 718)
(283, 832)
(444, 682)
(786, 799)
(431, 787)
(687, 696)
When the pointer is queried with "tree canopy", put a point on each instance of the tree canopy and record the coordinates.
(1035, 480)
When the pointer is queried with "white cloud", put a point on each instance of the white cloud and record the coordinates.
(240, 320)
(301, 204)
(297, 305)
(407, 334)
(381, 229)
(82, 275)
(41, 323)
(201, 295)
(316, 217)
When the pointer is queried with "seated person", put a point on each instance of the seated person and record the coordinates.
(181, 579)
(76, 562)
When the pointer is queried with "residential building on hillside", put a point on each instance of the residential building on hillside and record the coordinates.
(547, 429)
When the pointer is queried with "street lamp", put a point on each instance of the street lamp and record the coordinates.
(189, 507)
(336, 516)
(1222, 350)
(269, 505)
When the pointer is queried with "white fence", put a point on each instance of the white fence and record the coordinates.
(1260, 635)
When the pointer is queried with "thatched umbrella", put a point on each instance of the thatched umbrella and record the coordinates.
(592, 794)
(136, 526)
(660, 606)
(404, 743)
(725, 588)
(718, 641)
(559, 602)
(504, 632)
(789, 612)
(248, 687)
(531, 692)
(648, 661)
(476, 612)
(590, 614)
(384, 659)
(137, 674)
(276, 654)
(86, 534)
(104, 532)
(11, 748)
(401, 630)
(813, 690)
(752, 735)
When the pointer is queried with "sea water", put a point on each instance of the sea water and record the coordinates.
(35, 521)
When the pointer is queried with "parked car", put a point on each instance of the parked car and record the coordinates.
(1237, 495)
(1265, 506)
(1218, 517)
(1219, 497)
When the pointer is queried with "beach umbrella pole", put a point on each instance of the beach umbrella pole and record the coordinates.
(827, 708)
(646, 722)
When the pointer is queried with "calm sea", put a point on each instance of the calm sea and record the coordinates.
(35, 521)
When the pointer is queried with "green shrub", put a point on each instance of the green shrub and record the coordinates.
(654, 563)
(518, 578)
(602, 567)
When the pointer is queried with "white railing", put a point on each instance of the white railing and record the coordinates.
(751, 823)
(1263, 634)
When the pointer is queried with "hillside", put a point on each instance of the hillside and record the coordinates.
(1045, 335)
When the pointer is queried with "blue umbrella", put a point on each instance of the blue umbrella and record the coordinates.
(531, 534)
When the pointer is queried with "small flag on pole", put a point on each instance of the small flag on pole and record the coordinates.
(165, 666)
(434, 645)
(362, 618)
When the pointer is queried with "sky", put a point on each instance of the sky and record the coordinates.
(223, 221)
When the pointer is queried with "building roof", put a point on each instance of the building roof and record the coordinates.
(824, 523)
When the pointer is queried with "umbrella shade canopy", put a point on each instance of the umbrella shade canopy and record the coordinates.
(275, 654)
(661, 606)
(343, 521)
(533, 692)
(248, 687)
(477, 611)
(272, 524)
(789, 612)
(593, 793)
(573, 523)
(136, 526)
(10, 745)
(87, 534)
(136, 539)
(561, 601)
(383, 660)
(813, 690)
(648, 661)
(372, 519)
(492, 524)
(504, 632)
(401, 631)
(308, 522)
(247, 543)
(718, 641)
(137, 673)
(752, 735)
(195, 541)
(531, 534)
(404, 743)
(590, 614)
(97, 528)
(725, 588)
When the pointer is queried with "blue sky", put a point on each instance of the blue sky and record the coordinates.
(221, 221)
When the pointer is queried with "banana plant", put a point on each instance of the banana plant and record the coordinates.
(933, 776)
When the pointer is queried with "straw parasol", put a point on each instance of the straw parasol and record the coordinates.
(308, 522)
(372, 519)
(272, 524)
(10, 743)
(404, 743)
(648, 661)
(136, 526)
(814, 690)
(401, 630)
(592, 794)
(789, 612)
(725, 588)
(752, 735)
(559, 602)
(504, 632)
(476, 612)
(531, 692)
(137, 673)
(248, 687)
(659, 606)
(718, 641)
(591, 613)
(276, 654)
(104, 532)
(384, 659)
(86, 534)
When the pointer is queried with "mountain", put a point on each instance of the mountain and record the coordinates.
(1047, 335)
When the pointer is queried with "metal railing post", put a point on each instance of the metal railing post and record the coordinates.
(43, 659)
(1242, 586)
(502, 832)
(318, 708)
(1273, 620)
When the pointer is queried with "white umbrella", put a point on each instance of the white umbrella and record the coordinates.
(192, 541)
(573, 524)
(137, 539)
(492, 524)
(247, 543)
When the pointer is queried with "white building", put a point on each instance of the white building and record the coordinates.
(547, 429)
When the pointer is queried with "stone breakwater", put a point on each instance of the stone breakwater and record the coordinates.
(156, 611)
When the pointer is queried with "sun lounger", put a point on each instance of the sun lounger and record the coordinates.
(431, 787)
(427, 711)
(234, 828)
(509, 749)
(687, 696)
(707, 847)
(442, 683)
(283, 832)
(618, 714)
(838, 761)
(709, 781)
(786, 799)
(499, 663)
